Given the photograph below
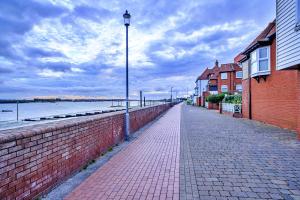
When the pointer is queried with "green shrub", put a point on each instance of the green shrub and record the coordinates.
(189, 102)
(236, 99)
(215, 98)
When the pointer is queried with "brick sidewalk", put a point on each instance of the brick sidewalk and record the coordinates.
(147, 169)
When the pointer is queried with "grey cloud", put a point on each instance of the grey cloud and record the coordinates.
(18, 17)
(37, 53)
(5, 70)
(95, 14)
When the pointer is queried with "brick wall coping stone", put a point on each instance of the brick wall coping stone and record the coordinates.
(17, 133)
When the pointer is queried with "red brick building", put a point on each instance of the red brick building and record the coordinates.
(230, 78)
(206, 84)
(226, 78)
(270, 95)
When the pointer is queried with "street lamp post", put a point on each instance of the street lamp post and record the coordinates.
(126, 17)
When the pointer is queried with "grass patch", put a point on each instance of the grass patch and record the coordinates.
(110, 149)
(86, 165)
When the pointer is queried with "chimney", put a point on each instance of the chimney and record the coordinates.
(217, 63)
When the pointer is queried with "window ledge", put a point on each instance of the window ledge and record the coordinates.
(261, 73)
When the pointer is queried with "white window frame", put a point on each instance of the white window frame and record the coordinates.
(222, 88)
(196, 91)
(236, 74)
(255, 62)
(222, 77)
(241, 87)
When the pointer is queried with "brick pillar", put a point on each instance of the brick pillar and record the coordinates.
(245, 98)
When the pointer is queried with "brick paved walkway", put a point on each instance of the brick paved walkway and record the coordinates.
(147, 169)
(226, 158)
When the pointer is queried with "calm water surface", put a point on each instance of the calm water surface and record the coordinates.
(36, 110)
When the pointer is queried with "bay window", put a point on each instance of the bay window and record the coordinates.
(260, 61)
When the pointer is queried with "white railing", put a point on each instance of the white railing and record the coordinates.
(213, 92)
(230, 107)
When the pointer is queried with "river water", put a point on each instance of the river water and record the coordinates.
(37, 110)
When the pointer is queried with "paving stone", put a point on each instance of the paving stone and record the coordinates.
(237, 158)
(150, 164)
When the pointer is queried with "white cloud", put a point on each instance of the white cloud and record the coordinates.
(48, 73)
(174, 52)
(76, 70)
(209, 30)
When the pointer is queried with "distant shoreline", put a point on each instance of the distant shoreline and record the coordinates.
(7, 101)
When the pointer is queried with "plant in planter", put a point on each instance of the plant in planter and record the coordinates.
(234, 99)
(215, 98)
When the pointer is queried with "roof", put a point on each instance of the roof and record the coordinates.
(205, 74)
(215, 72)
(239, 58)
(230, 67)
(213, 76)
(264, 37)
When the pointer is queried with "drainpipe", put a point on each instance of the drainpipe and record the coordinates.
(249, 90)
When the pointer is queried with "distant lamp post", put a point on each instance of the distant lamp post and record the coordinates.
(126, 17)
(171, 94)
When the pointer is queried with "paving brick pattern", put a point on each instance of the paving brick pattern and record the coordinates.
(227, 158)
(147, 169)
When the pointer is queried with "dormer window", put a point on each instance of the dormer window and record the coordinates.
(260, 61)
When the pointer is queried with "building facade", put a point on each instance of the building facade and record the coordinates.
(288, 33)
(230, 79)
(226, 78)
(270, 95)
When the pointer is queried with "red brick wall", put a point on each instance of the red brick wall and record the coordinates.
(236, 81)
(213, 82)
(213, 106)
(34, 159)
(245, 98)
(276, 100)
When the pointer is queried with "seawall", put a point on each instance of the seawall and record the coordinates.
(34, 159)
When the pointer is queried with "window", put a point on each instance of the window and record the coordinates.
(260, 61)
(213, 88)
(239, 87)
(263, 64)
(239, 74)
(223, 76)
(224, 88)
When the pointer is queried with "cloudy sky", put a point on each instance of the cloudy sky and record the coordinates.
(77, 48)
